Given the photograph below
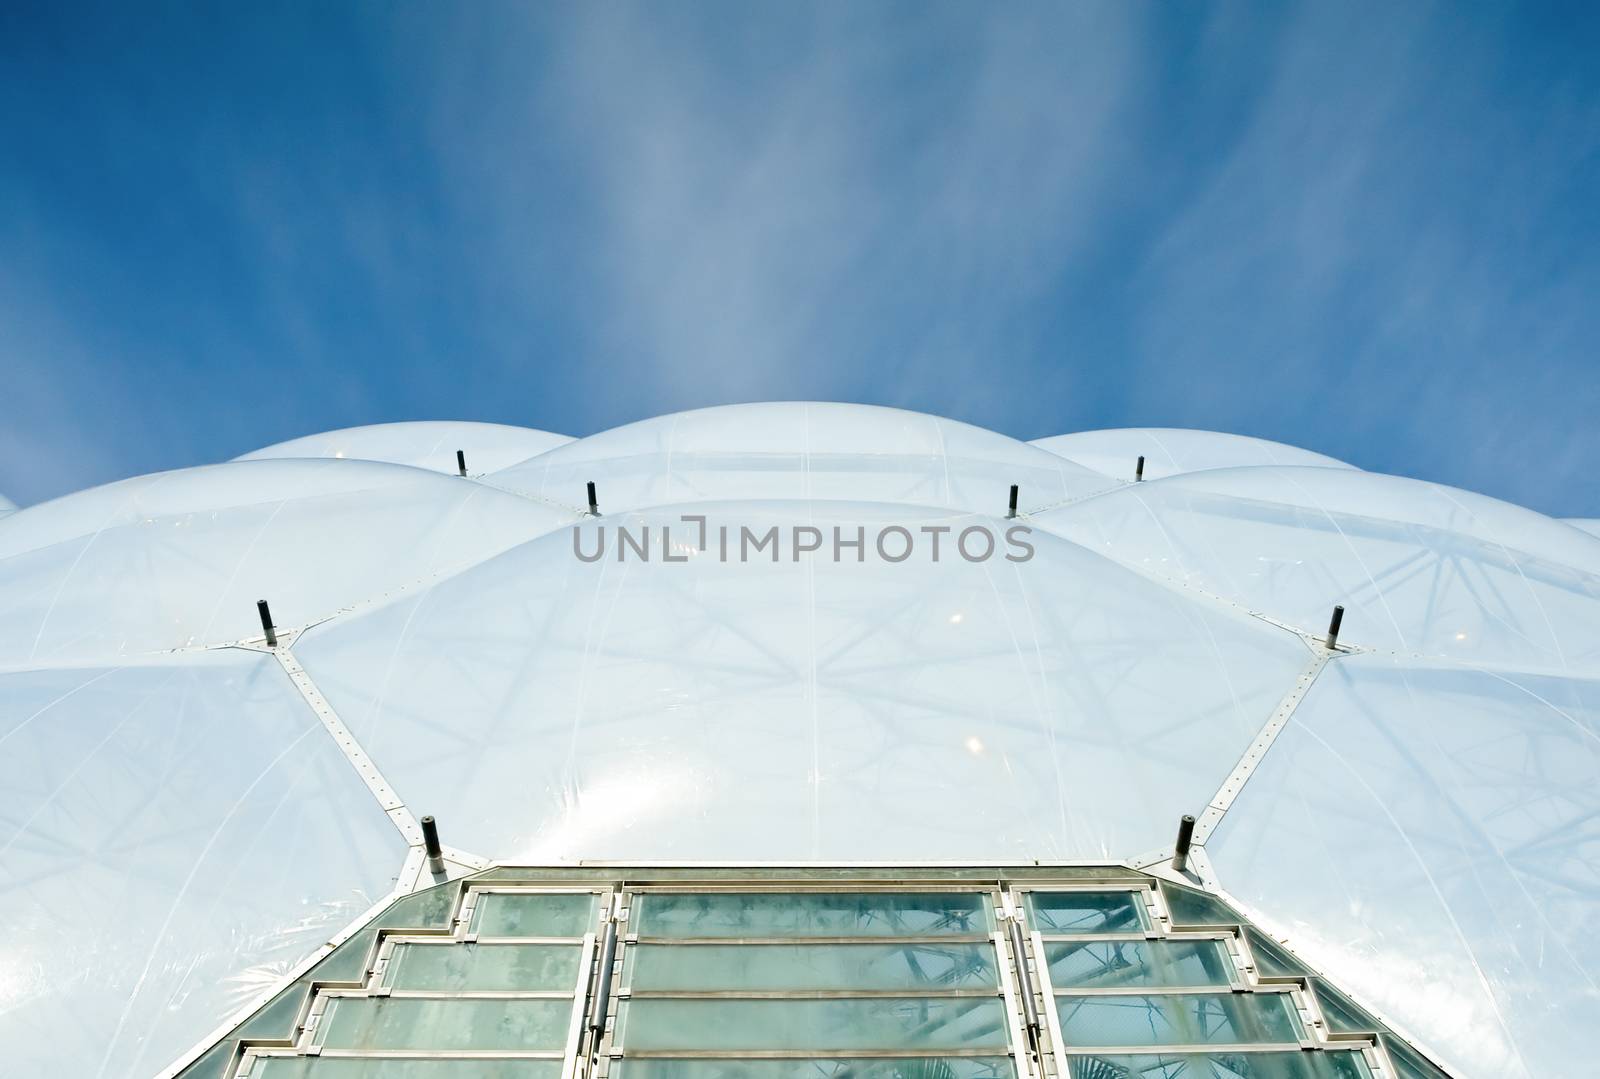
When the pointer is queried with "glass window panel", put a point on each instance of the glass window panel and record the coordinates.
(1343, 1015)
(1409, 1063)
(813, 966)
(1086, 912)
(432, 908)
(1178, 1019)
(1189, 907)
(826, 914)
(1272, 959)
(418, 1023)
(1101, 964)
(1297, 1065)
(531, 914)
(348, 1068)
(827, 1068)
(452, 966)
(827, 1026)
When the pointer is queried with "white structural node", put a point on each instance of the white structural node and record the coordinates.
(789, 634)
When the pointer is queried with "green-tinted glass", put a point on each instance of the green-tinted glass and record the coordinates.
(1102, 964)
(347, 1068)
(1086, 912)
(813, 966)
(532, 914)
(822, 1026)
(811, 914)
(1189, 907)
(420, 1023)
(828, 1068)
(1178, 1019)
(1272, 959)
(1297, 1065)
(1409, 1063)
(1343, 1015)
(451, 966)
(432, 908)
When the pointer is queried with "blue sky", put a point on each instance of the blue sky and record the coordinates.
(1367, 229)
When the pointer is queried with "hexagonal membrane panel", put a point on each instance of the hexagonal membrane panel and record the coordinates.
(1419, 567)
(179, 559)
(903, 973)
(430, 444)
(783, 708)
(178, 835)
(1429, 834)
(802, 451)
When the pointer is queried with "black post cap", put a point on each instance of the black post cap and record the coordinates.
(1180, 853)
(1333, 627)
(266, 623)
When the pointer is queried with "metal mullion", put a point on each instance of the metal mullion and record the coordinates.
(807, 1054)
(482, 888)
(1172, 1050)
(440, 1054)
(1313, 1024)
(354, 994)
(312, 1029)
(474, 994)
(920, 938)
(580, 1005)
(805, 887)
(1052, 1015)
(1378, 1060)
(815, 994)
(1174, 990)
(1240, 964)
(571, 942)
(1021, 1056)
(1055, 937)
(1134, 882)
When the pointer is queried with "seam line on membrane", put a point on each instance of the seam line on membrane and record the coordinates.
(1313, 640)
(1222, 801)
(388, 799)
(1257, 750)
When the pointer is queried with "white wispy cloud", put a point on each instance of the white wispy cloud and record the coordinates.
(1363, 229)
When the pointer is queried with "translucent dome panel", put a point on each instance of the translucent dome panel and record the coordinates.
(1420, 568)
(798, 450)
(544, 707)
(1430, 837)
(430, 444)
(1169, 451)
(1590, 525)
(7, 506)
(181, 558)
(176, 837)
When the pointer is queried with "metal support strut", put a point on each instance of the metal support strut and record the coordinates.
(602, 989)
(1012, 512)
(1030, 1007)
(1138, 471)
(594, 502)
(461, 461)
(1333, 628)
